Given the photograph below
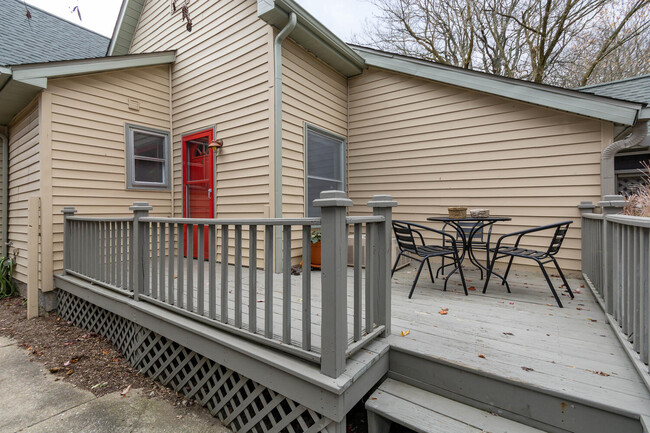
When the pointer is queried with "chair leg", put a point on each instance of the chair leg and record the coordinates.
(462, 276)
(430, 271)
(505, 276)
(442, 267)
(489, 272)
(566, 283)
(395, 265)
(416, 278)
(550, 284)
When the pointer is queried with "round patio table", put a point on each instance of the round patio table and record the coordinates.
(479, 224)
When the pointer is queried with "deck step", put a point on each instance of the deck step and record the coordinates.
(425, 412)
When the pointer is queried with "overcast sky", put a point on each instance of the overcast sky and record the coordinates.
(343, 17)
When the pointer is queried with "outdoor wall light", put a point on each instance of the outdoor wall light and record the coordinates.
(216, 144)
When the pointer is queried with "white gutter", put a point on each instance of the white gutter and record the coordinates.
(5, 193)
(277, 131)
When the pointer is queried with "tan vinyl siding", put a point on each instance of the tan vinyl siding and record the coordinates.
(24, 181)
(89, 114)
(313, 93)
(222, 77)
(432, 146)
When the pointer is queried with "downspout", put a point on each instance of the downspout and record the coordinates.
(5, 193)
(277, 131)
(607, 174)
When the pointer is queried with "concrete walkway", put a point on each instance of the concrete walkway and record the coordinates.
(31, 401)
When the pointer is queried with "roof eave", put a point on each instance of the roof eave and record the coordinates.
(312, 35)
(621, 112)
(89, 66)
(125, 27)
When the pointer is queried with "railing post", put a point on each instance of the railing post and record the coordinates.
(140, 210)
(584, 207)
(382, 205)
(67, 211)
(334, 338)
(611, 204)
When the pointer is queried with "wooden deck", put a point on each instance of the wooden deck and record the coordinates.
(521, 337)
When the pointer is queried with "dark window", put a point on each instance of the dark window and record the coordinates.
(325, 165)
(147, 157)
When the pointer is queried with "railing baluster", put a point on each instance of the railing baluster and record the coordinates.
(370, 277)
(224, 273)
(161, 274)
(645, 266)
(182, 249)
(212, 270)
(286, 284)
(189, 304)
(118, 252)
(306, 287)
(357, 282)
(170, 267)
(154, 260)
(145, 259)
(113, 266)
(238, 271)
(268, 281)
(125, 255)
(200, 286)
(131, 255)
(252, 279)
(636, 303)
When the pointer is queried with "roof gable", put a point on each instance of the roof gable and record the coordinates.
(44, 37)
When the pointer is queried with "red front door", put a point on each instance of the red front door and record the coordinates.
(198, 180)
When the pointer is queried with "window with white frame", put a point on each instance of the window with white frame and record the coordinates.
(325, 161)
(147, 158)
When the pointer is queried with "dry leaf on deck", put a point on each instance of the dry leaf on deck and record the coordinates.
(125, 391)
(480, 355)
(471, 288)
(527, 369)
(404, 333)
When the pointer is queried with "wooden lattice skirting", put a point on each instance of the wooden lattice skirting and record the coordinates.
(240, 403)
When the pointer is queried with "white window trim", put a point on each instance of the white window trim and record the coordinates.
(344, 142)
(131, 183)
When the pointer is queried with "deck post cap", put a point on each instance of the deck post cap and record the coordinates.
(140, 205)
(332, 198)
(612, 201)
(382, 200)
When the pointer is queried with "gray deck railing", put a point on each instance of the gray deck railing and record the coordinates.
(229, 285)
(616, 263)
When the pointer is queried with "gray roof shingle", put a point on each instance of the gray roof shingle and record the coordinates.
(636, 89)
(44, 37)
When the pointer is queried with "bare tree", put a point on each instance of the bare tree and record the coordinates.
(538, 40)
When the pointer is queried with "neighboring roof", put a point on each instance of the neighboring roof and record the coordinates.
(558, 98)
(44, 37)
(19, 84)
(631, 89)
(127, 21)
(351, 60)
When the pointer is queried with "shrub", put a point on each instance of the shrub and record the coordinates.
(638, 202)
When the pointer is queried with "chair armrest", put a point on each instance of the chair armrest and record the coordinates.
(521, 233)
(421, 227)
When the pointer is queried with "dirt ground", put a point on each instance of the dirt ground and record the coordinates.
(83, 359)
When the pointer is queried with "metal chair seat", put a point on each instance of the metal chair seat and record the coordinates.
(541, 257)
(420, 251)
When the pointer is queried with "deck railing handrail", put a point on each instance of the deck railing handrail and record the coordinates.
(616, 264)
(174, 263)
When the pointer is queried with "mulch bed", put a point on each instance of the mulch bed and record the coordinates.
(76, 356)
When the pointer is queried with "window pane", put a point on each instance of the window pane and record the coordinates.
(149, 171)
(314, 188)
(325, 156)
(149, 145)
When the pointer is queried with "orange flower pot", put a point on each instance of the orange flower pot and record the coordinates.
(315, 255)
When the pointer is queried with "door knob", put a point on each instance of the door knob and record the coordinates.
(209, 193)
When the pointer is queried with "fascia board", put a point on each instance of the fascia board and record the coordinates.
(117, 29)
(644, 114)
(621, 112)
(87, 66)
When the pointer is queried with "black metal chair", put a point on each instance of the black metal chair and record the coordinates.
(478, 241)
(404, 233)
(541, 257)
